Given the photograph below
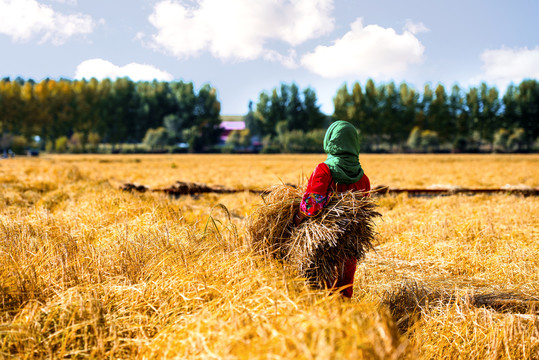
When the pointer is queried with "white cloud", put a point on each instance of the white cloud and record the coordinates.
(415, 27)
(68, 2)
(238, 29)
(101, 69)
(506, 65)
(288, 61)
(370, 51)
(23, 19)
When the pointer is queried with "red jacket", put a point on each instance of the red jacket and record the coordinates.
(321, 186)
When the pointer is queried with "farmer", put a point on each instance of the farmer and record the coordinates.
(340, 172)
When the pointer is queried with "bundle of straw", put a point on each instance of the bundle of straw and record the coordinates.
(344, 229)
(271, 224)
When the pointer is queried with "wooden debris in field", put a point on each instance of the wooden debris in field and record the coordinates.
(189, 188)
(184, 188)
(134, 188)
(455, 190)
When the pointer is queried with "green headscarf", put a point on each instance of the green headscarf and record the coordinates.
(341, 144)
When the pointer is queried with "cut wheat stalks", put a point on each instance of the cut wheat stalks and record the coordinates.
(344, 229)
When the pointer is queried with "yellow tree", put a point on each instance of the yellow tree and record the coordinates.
(85, 106)
(28, 121)
(42, 115)
(11, 106)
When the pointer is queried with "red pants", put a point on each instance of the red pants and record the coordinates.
(345, 277)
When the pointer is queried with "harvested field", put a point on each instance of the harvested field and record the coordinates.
(89, 270)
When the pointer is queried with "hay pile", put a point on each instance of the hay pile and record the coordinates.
(343, 229)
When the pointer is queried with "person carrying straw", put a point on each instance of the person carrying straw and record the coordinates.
(340, 172)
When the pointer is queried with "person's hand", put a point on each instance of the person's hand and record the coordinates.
(298, 218)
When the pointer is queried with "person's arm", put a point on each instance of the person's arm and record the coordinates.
(317, 194)
(363, 185)
(299, 217)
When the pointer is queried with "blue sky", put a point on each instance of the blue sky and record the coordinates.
(243, 47)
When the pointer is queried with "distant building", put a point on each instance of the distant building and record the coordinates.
(229, 126)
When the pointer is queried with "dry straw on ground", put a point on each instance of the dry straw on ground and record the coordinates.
(88, 271)
(344, 229)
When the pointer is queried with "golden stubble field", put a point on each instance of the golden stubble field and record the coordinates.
(89, 271)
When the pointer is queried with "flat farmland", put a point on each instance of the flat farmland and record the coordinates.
(88, 270)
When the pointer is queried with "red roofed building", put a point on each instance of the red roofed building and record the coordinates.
(229, 126)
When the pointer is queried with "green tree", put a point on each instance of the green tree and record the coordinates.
(174, 125)
(287, 109)
(156, 138)
(295, 112)
(372, 126)
(93, 141)
(252, 122)
(457, 114)
(276, 108)
(314, 141)
(501, 138)
(263, 121)
(528, 110)
(156, 100)
(439, 116)
(206, 131)
(341, 103)
(239, 139)
(509, 118)
(391, 117)
(422, 120)
(489, 110)
(185, 102)
(474, 117)
(122, 106)
(19, 144)
(354, 108)
(315, 118)
(408, 100)
(105, 113)
(430, 141)
(517, 140)
(414, 140)
(60, 144)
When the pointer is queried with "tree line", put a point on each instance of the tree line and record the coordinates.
(81, 115)
(399, 118)
(78, 115)
(393, 118)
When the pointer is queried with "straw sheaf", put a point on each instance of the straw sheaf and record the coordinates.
(343, 229)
